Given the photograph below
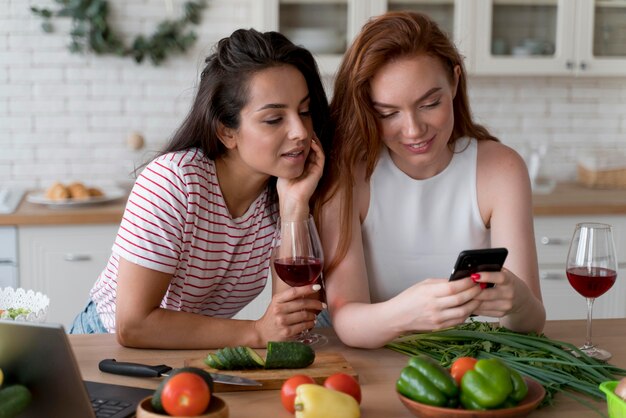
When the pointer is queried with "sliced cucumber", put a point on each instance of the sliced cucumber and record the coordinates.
(224, 358)
(253, 359)
(212, 361)
(288, 355)
(280, 355)
(239, 361)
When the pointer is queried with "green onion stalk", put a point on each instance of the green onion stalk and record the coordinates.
(558, 366)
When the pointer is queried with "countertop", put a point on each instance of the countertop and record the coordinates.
(564, 199)
(377, 370)
(35, 214)
(574, 199)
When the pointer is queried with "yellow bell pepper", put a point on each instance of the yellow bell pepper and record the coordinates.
(315, 401)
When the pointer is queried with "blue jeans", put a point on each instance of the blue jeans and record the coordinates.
(88, 321)
(323, 320)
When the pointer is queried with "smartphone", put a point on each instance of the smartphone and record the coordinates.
(474, 261)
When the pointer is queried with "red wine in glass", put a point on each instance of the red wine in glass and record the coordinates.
(591, 269)
(297, 259)
(591, 282)
(298, 271)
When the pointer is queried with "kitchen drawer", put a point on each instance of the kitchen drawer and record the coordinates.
(552, 238)
(64, 262)
(553, 235)
(563, 302)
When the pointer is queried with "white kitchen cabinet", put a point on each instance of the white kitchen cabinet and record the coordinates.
(550, 37)
(496, 37)
(326, 27)
(552, 236)
(64, 262)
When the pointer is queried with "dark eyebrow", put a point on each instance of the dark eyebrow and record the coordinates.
(424, 96)
(280, 105)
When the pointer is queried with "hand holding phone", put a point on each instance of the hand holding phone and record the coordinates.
(474, 261)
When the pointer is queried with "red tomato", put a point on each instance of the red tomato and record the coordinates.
(185, 394)
(288, 390)
(460, 366)
(344, 383)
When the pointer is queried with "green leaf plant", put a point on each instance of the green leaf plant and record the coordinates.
(91, 31)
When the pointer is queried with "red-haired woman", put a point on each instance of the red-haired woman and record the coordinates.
(412, 182)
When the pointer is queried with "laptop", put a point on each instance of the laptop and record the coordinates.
(40, 357)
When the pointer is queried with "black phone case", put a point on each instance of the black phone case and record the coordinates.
(473, 261)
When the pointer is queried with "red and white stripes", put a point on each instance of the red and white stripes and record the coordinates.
(176, 221)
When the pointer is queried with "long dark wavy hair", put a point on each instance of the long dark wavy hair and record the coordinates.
(357, 136)
(223, 89)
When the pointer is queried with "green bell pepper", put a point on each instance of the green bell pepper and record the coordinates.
(425, 381)
(520, 388)
(491, 385)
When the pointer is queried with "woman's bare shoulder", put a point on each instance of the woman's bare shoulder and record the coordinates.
(495, 156)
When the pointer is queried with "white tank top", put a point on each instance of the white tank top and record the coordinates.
(415, 229)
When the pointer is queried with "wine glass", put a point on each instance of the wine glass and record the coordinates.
(298, 259)
(591, 270)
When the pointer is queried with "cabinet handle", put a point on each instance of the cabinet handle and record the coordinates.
(583, 65)
(550, 276)
(552, 241)
(569, 64)
(77, 257)
(6, 261)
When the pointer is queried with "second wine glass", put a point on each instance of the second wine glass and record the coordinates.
(298, 259)
(592, 270)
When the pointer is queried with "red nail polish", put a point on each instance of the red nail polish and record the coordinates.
(475, 277)
(483, 285)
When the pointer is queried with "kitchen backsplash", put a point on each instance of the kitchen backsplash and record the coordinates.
(66, 117)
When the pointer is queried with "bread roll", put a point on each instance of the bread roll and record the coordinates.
(78, 191)
(57, 192)
(95, 192)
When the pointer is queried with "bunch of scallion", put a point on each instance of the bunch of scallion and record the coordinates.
(558, 366)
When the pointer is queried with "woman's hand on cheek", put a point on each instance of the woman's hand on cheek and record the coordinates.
(294, 194)
(437, 303)
(290, 312)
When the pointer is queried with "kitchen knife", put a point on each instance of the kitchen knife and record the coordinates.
(144, 370)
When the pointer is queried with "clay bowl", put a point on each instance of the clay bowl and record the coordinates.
(217, 409)
(535, 395)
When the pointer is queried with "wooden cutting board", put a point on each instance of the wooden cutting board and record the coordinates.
(325, 364)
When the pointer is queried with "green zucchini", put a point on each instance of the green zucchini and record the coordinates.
(280, 355)
(212, 361)
(254, 360)
(288, 355)
(240, 362)
(225, 359)
(13, 400)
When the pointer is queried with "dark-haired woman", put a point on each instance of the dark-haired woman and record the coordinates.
(415, 181)
(194, 244)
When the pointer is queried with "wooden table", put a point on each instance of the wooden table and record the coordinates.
(377, 369)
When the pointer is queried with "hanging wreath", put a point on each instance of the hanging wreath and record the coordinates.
(92, 32)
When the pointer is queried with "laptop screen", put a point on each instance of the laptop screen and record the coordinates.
(39, 356)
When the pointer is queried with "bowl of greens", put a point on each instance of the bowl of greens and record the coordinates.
(23, 305)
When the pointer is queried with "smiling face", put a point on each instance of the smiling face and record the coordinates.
(273, 138)
(413, 98)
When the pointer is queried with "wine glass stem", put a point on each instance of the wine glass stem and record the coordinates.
(588, 343)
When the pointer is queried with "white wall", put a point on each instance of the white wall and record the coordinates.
(66, 117)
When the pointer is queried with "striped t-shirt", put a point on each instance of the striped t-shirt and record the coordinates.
(176, 222)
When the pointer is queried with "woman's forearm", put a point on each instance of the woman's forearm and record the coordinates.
(366, 325)
(168, 329)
